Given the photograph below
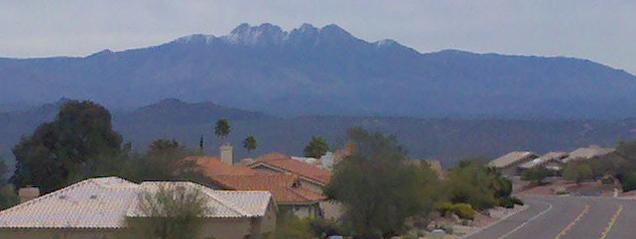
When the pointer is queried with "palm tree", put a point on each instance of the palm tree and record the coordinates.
(222, 129)
(249, 144)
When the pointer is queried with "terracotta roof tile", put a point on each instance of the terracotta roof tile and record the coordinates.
(287, 164)
(212, 166)
(282, 186)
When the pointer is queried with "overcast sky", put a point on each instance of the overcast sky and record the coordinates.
(602, 30)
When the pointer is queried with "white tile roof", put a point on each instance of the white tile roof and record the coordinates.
(588, 153)
(543, 159)
(105, 202)
(510, 158)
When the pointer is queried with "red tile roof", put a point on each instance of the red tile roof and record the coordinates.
(237, 177)
(282, 187)
(213, 166)
(296, 167)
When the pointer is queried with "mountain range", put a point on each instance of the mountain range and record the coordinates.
(448, 140)
(326, 71)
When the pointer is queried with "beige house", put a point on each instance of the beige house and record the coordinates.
(312, 177)
(508, 163)
(588, 153)
(551, 161)
(97, 209)
(291, 193)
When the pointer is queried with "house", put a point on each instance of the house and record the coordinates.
(292, 192)
(287, 190)
(99, 208)
(508, 163)
(588, 153)
(312, 177)
(552, 161)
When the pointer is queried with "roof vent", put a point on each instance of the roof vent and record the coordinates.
(94, 196)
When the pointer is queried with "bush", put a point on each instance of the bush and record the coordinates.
(474, 184)
(506, 202)
(517, 201)
(444, 208)
(464, 211)
(323, 228)
(629, 182)
(536, 175)
(290, 226)
(8, 197)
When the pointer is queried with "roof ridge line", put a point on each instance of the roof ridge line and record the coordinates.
(223, 202)
(49, 195)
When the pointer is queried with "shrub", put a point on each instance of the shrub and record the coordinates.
(517, 201)
(464, 211)
(629, 182)
(323, 228)
(536, 175)
(444, 208)
(506, 202)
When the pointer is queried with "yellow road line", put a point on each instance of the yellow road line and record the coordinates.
(573, 223)
(612, 222)
(528, 221)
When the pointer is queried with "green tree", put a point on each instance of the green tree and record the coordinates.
(629, 182)
(290, 226)
(4, 169)
(8, 197)
(61, 151)
(249, 144)
(168, 213)
(474, 184)
(377, 187)
(536, 175)
(164, 160)
(316, 148)
(222, 129)
(577, 172)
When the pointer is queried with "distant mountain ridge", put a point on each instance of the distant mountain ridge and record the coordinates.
(327, 70)
(448, 140)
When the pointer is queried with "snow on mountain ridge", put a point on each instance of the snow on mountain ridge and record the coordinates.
(268, 34)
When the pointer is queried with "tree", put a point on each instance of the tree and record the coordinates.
(4, 169)
(249, 144)
(316, 148)
(66, 149)
(536, 175)
(222, 129)
(168, 213)
(164, 160)
(377, 187)
(201, 144)
(290, 226)
(474, 184)
(577, 172)
(8, 197)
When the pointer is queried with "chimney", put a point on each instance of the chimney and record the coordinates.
(226, 154)
(28, 193)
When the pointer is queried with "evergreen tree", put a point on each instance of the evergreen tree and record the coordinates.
(316, 148)
(67, 149)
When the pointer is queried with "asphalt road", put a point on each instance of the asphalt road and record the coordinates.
(567, 218)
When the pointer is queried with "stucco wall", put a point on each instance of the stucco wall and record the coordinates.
(57, 234)
(214, 228)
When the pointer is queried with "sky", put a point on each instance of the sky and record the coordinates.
(603, 31)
